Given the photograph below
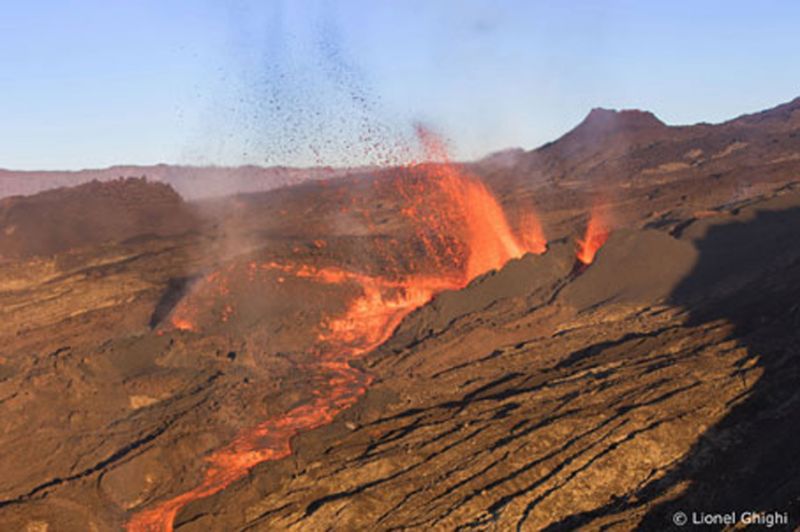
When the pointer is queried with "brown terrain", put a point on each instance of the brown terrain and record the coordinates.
(359, 352)
(191, 182)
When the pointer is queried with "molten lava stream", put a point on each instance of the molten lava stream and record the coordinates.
(369, 321)
(267, 441)
(440, 201)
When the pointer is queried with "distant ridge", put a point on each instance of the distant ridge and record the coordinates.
(604, 135)
(191, 182)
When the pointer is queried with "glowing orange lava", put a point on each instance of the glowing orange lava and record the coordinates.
(531, 233)
(445, 200)
(182, 323)
(462, 228)
(597, 232)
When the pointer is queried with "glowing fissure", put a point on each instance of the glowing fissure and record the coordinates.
(464, 230)
(597, 232)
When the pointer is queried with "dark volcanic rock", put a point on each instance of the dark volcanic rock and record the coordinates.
(635, 403)
(633, 266)
(87, 215)
(542, 396)
(532, 278)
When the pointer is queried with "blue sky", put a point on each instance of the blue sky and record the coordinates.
(93, 83)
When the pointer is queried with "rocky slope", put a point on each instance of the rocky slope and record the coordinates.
(610, 400)
(548, 394)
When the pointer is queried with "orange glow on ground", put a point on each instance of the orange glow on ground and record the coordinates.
(457, 221)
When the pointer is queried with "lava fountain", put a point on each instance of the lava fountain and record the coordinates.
(597, 232)
(443, 199)
(457, 221)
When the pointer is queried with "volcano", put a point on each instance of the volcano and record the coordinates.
(601, 332)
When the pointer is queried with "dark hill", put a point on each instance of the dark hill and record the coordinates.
(89, 214)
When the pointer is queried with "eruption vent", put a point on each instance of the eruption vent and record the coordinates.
(597, 232)
(449, 201)
(458, 225)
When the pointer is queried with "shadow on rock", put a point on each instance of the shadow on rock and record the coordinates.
(748, 273)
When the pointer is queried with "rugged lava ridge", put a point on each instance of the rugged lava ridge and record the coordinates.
(611, 399)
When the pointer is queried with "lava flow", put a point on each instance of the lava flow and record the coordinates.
(460, 225)
(597, 232)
